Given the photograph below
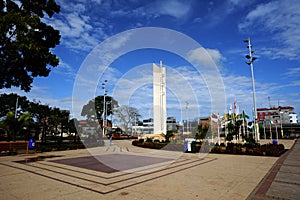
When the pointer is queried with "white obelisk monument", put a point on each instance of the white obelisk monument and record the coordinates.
(159, 99)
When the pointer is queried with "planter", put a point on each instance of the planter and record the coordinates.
(256, 151)
(243, 150)
(250, 151)
(222, 149)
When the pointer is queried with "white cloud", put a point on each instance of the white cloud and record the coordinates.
(295, 83)
(84, 25)
(292, 73)
(174, 8)
(206, 57)
(291, 77)
(64, 69)
(279, 20)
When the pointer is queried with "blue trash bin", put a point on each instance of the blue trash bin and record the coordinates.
(31, 144)
(275, 142)
(185, 147)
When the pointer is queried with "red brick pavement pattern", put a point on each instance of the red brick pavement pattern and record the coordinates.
(262, 189)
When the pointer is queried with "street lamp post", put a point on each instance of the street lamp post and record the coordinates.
(104, 94)
(250, 63)
(135, 116)
(106, 104)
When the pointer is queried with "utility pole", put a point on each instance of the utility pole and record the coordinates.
(16, 119)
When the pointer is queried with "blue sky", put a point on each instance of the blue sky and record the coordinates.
(218, 26)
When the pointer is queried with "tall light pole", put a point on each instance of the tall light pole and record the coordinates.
(250, 63)
(107, 103)
(104, 94)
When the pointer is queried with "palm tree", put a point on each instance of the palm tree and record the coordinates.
(243, 116)
(13, 126)
(9, 124)
(230, 127)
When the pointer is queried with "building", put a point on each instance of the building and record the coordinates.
(280, 114)
(293, 118)
(147, 126)
(159, 99)
(190, 126)
(278, 122)
(171, 124)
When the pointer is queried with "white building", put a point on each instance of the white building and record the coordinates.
(280, 114)
(293, 118)
(147, 126)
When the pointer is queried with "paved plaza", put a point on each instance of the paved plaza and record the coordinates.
(122, 171)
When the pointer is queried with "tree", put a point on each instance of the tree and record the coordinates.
(24, 123)
(26, 42)
(13, 126)
(73, 123)
(94, 109)
(30, 115)
(126, 116)
(202, 131)
(167, 136)
(40, 113)
(8, 102)
(9, 125)
(235, 121)
(230, 127)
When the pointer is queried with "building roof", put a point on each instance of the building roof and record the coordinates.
(276, 108)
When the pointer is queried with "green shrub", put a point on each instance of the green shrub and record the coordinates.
(141, 140)
(148, 139)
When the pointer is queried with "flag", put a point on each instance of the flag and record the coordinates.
(230, 110)
(235, 107)
(225, 117)
(237, 111)
(234, 104)
(214, 117)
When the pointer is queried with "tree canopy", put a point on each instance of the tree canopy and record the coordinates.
(26, 42)
(126, 116)
(94, 109)
(19, 114)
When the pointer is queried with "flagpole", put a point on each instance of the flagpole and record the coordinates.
(270, 130)
(276, 132)
(219, 141)
(264, 130)
(212, 132)
(225, 120)
(244, 127)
